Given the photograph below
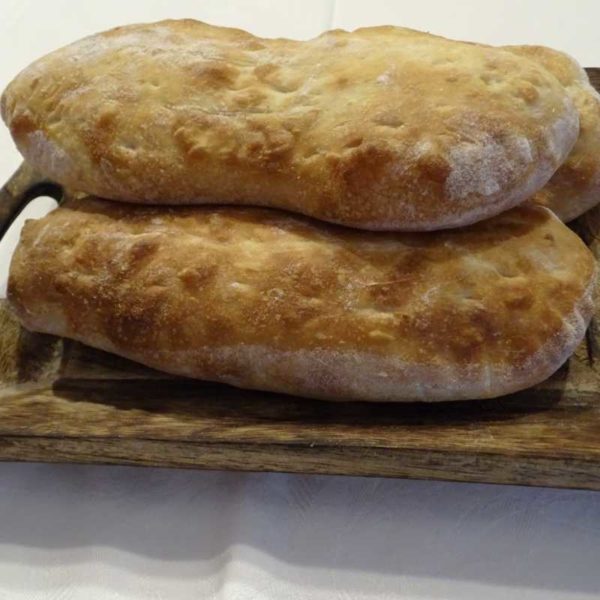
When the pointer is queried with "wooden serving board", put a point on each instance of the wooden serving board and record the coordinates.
(63, 402)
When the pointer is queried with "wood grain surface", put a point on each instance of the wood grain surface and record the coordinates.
(63, 402)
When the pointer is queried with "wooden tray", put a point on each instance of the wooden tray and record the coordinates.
(63, 402)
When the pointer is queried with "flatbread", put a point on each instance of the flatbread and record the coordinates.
(263, 299)
(381, 128)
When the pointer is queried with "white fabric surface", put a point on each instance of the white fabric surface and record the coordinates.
(91, 532)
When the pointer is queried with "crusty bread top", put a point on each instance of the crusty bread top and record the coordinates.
(267, 300)
(575, 187)
(380, 128)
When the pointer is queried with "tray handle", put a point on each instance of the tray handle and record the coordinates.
(25, 185)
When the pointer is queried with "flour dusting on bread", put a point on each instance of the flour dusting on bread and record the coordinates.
(46, 153)
(483, 166)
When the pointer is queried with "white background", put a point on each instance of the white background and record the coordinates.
(107, 532)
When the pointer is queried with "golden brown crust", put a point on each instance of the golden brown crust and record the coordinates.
(266, 300)
(381, 128)
(575, 187)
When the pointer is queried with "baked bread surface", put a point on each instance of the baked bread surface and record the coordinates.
(575, 187)
(381, 128)
(267, 300)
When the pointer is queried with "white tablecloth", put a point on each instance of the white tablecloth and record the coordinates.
(91, 532)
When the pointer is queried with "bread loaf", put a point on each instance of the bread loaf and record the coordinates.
(575, 187)
(263, 299)
(381, 128)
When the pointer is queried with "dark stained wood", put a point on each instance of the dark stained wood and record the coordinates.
(594, 75)
(63, 402)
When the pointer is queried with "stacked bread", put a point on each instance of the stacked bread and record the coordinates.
(371, 215)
